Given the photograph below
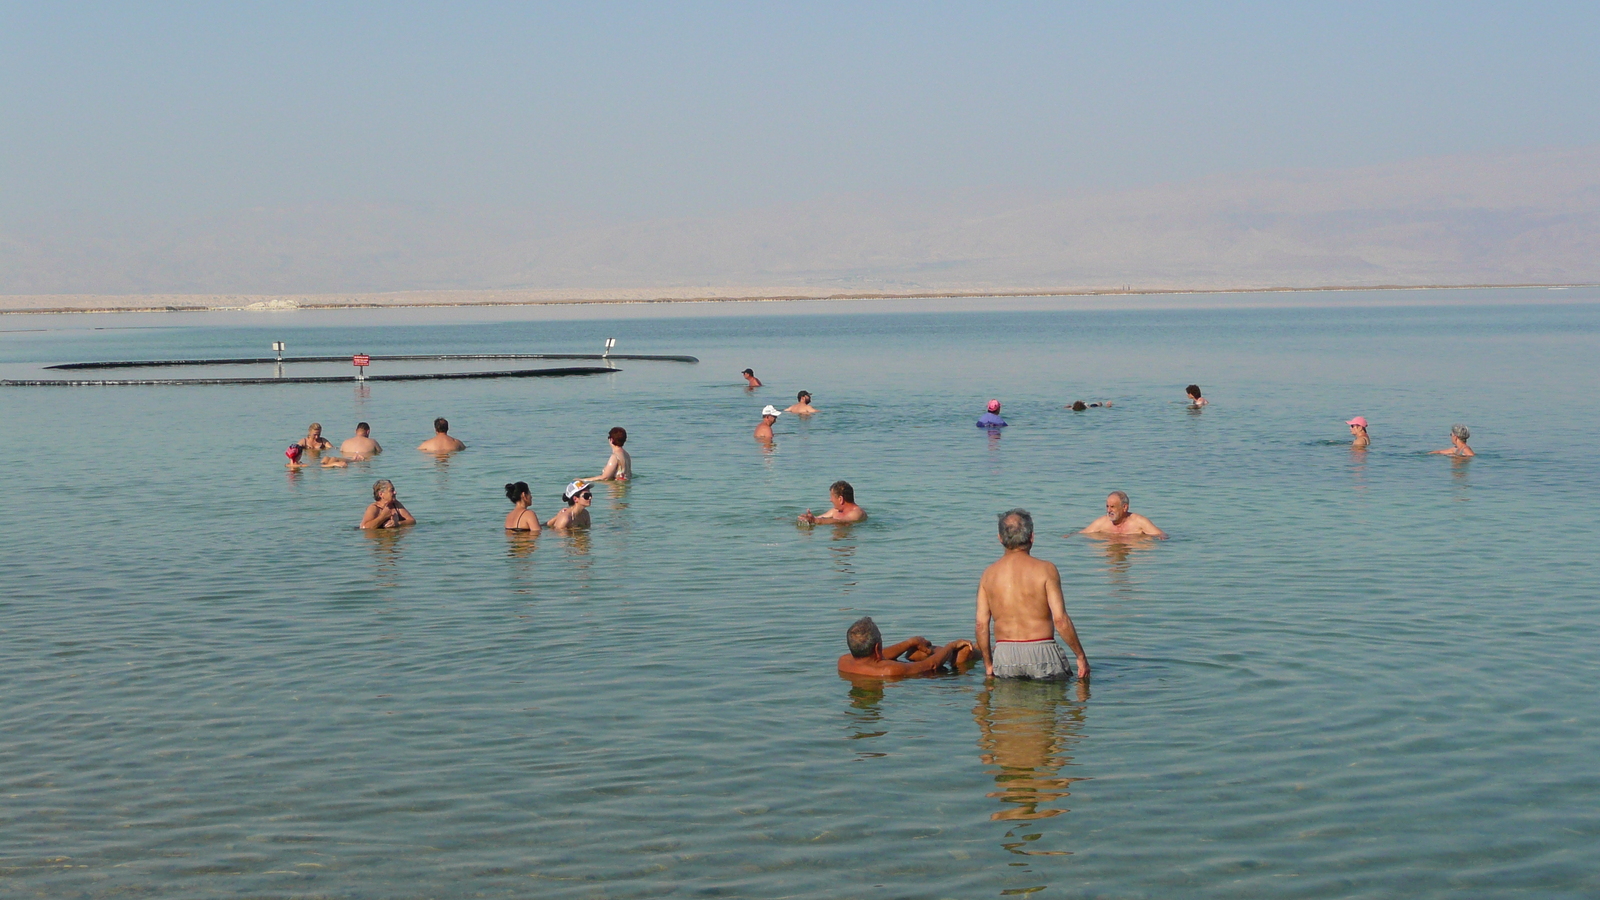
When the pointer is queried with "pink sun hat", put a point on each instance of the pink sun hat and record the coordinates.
(1358, 420)
(994, 406)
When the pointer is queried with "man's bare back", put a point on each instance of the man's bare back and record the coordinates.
(441, 442)
(1021, 597)
(362, 445)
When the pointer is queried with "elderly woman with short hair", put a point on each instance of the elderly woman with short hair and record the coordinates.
(1459, 435)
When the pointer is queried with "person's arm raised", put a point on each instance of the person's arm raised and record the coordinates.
(375, 516)
(1063, 622)
(895, 651)
(933, 661)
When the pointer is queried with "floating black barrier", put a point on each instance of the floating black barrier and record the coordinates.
(313, 379)
(157, 363)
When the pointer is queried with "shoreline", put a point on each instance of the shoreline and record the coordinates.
(95, 303)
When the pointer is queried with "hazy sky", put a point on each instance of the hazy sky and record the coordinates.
(148, 109)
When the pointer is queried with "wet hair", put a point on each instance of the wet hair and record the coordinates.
(1194, 391)
(1461, 431)
(844, 490)
(1120, 495)
(441, 425)
(1079, 406)
(379, 485)
(1016, 528)
(314, 426)
(863, 636)
(618, 436)
(363, 428)
(515, 490)
(803, 395)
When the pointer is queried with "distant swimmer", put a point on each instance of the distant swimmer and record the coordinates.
(991, 419)
(1080, 406)
(314, 439)
(296, 453)
(1459, 435)
(576, 515)
(386, 510)
(1021, 596)
(441, 442)
(750, 378)
(1195, 400)
(1358, 433)
(870, 658)
(620, 466)
(802, 404)
(1118, 520)
(362, 445)
(522, 517)
(844, 511)
(768, 417)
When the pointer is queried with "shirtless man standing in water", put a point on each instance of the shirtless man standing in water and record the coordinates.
(802, 404)
(1119, 521)
(844, 511)
(441, 442)
(1022, 597)
(768, 416)
(362, 445)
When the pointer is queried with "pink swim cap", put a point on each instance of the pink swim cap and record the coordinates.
(994, 406)
(293, 452)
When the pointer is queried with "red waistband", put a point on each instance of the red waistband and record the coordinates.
(1048, 640)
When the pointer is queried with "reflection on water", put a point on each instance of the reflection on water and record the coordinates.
(385, 553)
(1024, 731)
(1358, 468)
(441, 465)
(616, 494)
(1121, 551)
(1460, 467)
(865, 717)
(519, 549)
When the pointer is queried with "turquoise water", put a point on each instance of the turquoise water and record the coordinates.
(1344, 675)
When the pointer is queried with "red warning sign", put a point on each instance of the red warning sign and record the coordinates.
(361, 359)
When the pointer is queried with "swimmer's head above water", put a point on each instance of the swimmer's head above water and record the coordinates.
(1461, 433)
(863, 637)
(577, 490)
(994, 406)
(843, 491)
(1016, 529)
(617, 436)
(515, 491)
(293, 452)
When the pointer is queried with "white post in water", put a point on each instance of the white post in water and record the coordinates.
(277, 347)
(610, 342)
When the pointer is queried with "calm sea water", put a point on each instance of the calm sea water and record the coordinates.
(1344, 675)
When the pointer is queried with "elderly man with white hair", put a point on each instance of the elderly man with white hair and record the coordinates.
(1119, 520)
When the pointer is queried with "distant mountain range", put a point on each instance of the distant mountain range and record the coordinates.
(1530, 217)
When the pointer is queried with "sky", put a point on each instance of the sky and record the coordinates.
(619, 111)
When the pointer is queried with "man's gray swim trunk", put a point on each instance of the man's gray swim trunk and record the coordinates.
(1038, 660)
